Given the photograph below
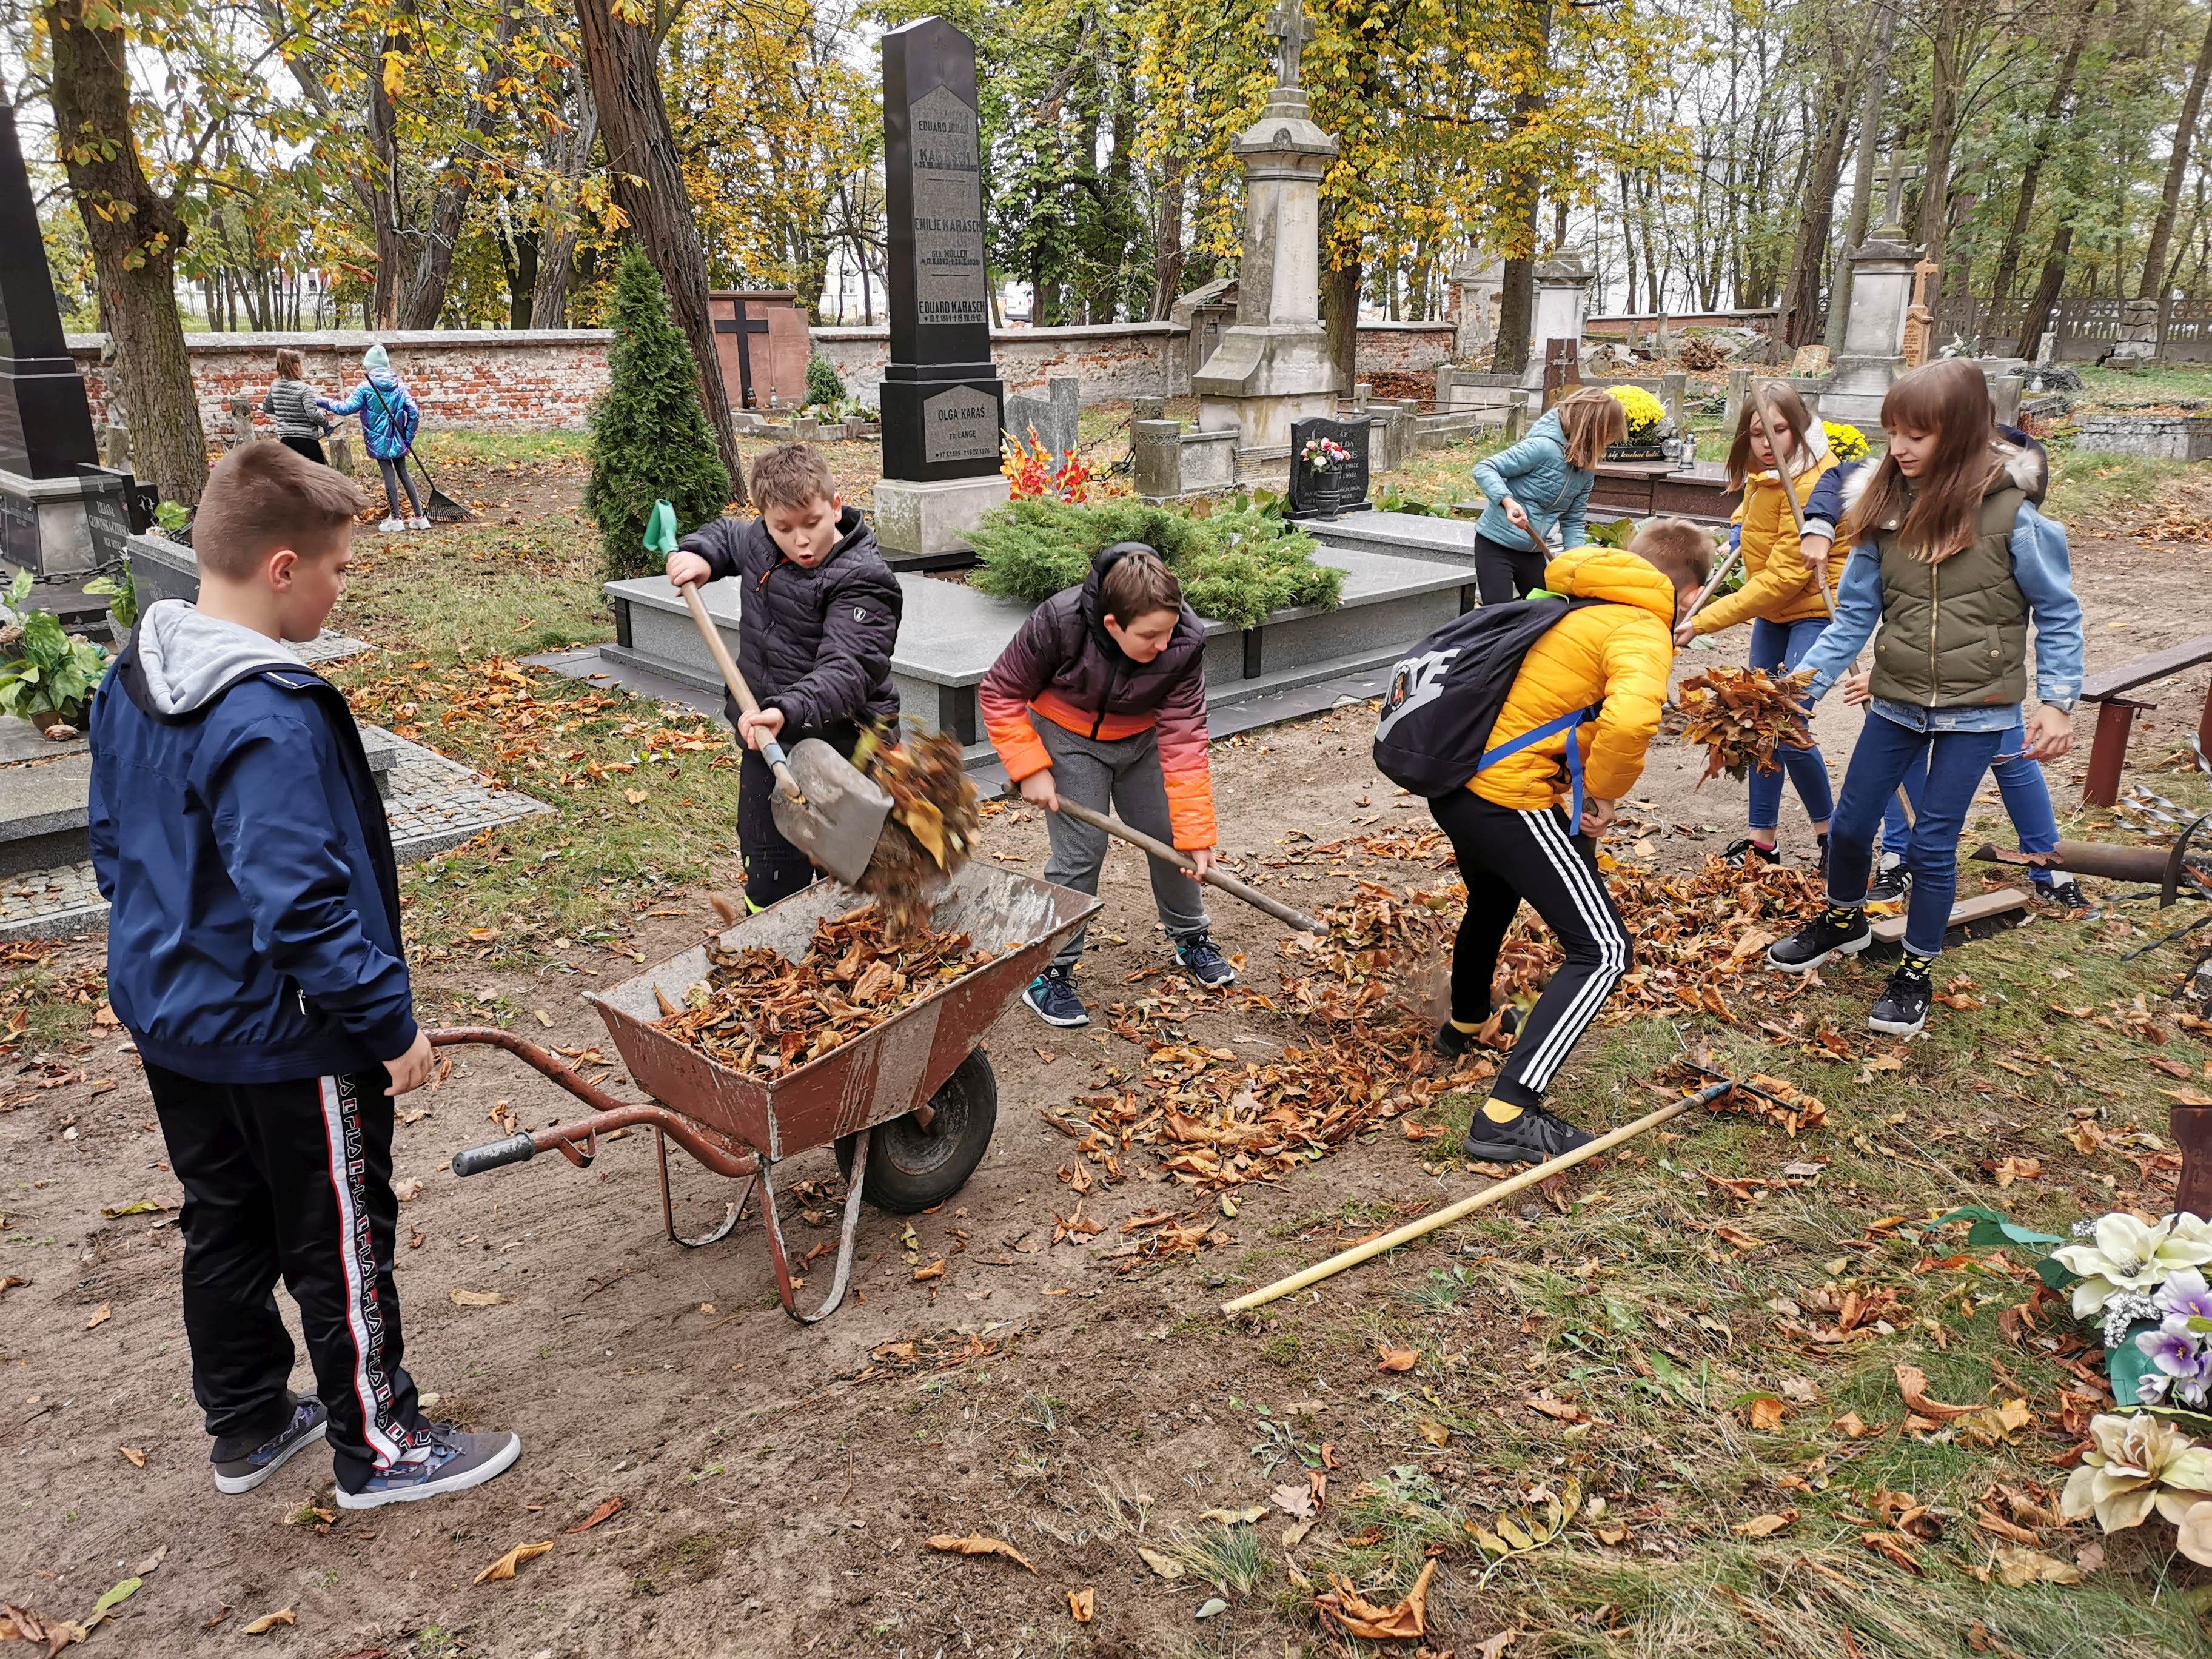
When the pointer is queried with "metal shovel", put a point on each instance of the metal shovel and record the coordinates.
(824, 805)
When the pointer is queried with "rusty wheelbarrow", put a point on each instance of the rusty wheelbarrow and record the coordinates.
(908, 1104)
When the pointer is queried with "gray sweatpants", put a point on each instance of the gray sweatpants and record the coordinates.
(1126, 775)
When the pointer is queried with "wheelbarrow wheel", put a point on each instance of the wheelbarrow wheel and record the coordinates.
(911, 1168)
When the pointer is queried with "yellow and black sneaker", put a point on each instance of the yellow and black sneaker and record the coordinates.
(1902, 1008)
(1456, 1040)
(1840, 929)
(1530, 1135)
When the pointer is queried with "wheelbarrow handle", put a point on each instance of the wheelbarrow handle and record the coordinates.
(770, 749)
(1159, 849)
(494, 1155)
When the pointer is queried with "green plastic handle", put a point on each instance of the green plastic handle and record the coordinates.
(660, 529)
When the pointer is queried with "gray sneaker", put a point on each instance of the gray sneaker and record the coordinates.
(447, 1461)
(247, 1468)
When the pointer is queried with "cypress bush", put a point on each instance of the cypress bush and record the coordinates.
(649, 436)
(1236, 566)
(824, 385)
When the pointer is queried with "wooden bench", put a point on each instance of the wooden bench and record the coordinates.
(2116, 712)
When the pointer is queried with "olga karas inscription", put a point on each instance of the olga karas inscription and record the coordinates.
(950, 286)
(960, 425)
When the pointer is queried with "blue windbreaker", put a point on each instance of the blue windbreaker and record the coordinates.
(388, 415)
(237, 835)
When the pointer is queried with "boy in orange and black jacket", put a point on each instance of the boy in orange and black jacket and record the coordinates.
(1100, 698)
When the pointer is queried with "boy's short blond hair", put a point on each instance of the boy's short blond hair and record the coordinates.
(792, 476)
(263, 497)
(1683, 551)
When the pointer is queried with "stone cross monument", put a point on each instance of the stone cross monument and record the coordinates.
(1272, 367)
(1882, 271)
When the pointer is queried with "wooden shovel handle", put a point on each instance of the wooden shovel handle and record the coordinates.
(771, 750)
(1159, 849)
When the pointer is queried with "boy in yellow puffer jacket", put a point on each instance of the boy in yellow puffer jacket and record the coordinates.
(1608, 660)
(1782, 598)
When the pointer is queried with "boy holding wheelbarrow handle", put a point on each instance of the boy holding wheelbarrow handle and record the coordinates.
(818, 615)
(255, 957)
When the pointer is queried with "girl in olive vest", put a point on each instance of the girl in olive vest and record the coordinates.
(1949, 565)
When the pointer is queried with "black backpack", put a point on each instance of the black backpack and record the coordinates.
(1445, 698)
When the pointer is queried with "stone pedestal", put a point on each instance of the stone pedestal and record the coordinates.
(927, 520)
(1476, 284)
(1874, 334)
(62, 528)
(2138, 341)
(1562, 302)
(1272, 367)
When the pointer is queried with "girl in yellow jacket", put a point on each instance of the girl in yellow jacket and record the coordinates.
(1781, 597)
(1595, 679)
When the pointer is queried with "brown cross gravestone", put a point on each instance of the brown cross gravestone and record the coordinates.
(762, 343)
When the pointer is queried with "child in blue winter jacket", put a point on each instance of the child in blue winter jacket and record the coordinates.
(1537, 486)
(389, 417)
(254, 955)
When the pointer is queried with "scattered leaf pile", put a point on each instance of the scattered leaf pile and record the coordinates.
(932, 828)
(759, 1013)
(1742, 715)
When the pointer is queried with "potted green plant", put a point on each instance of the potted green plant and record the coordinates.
(46, 676)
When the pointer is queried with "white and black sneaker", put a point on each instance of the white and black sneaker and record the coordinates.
(1737, 853)
(1902, 1008)
(1891, 883)
(241, 1469)
(2065, 895)
(1839, 929)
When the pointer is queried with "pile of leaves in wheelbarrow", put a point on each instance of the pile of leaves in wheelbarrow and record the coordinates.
(762, 1014)
(1742, 715)
(932, 828)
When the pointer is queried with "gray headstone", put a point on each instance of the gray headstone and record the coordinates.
(1051, 416)
(1148, 409)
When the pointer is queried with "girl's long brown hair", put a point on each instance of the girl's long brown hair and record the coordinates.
(1591, 418)
(290, 366)
(1783, 405)
(1950, 398)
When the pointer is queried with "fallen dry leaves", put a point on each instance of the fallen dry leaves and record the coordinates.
(504, 1568)
(759, 1013)
(269, 1621)
(23, 1624)
(1359, 1617)
(1082, 1605)
(1742, 715)
(605, 1511)
(1764, 1526)
(976, 1543)
(1394, 1360)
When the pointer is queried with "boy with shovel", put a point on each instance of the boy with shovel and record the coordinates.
(818, 615)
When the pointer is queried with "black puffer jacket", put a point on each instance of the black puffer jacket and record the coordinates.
(816, 644)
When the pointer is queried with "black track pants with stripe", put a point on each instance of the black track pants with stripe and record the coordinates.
(291, 1181)
(1506, 855)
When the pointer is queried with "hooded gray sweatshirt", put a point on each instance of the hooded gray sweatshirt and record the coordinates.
(189, 656)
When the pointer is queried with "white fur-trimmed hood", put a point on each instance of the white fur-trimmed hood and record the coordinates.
(2018, 466)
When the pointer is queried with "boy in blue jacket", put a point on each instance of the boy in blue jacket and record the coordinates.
(254, 955)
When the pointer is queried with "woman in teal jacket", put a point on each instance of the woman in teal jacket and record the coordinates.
(1540, 483)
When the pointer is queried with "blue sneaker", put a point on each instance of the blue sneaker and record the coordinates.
(1052, 996)
(1202, 962)
(447, 1461)
(245, 1469)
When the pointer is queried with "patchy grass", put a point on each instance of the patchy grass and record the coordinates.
(645, 797)
(2110, 493)
(2105, 390)
(495, 446)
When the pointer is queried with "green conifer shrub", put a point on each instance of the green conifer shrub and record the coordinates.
(649, 434)
(1235, 565)
(824, 385)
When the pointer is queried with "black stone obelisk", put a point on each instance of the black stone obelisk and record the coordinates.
(941, 395)
(45, 419)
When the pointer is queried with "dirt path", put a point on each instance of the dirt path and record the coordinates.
(778, 1483)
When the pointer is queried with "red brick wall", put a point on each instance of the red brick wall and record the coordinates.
(545, 380)
(522, 381)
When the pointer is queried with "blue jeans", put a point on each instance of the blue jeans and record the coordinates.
(1778, 647)
(2026, 802)
(1886, 754)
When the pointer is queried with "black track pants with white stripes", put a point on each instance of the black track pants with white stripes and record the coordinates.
(1506, 855)
(293, 1181)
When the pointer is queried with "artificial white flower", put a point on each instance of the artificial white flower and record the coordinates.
(2196, 1534)
(2122, 1256)
(2138, 1464)
(2188, 1242)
